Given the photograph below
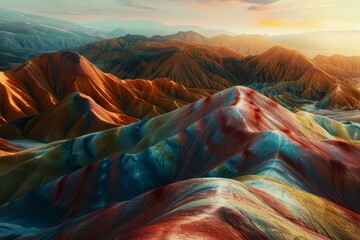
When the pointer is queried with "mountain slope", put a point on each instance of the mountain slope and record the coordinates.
(45, 87)
(105, 51)
(177, 60)
(249, 208)
(279, 71)
(188, 64)
(110, 49)
(339, 66)
(307, 177)
(286, 76)
(74, 116)
(239, 116)
(243, 44)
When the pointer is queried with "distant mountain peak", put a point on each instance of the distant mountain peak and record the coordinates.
(187, 36)
(281, 49)
(190, 32)
(286, 53)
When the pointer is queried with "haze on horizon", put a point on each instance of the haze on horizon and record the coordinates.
(236, 16)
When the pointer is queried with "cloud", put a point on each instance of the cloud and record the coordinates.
(312, 6)
(130, 4)
(288, 7)
(260, 2)
(257, 8)
(257, 2)
(282, 24)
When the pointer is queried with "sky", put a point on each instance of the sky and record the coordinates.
(237, 16)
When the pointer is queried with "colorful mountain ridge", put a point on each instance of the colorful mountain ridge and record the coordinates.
(160, 178)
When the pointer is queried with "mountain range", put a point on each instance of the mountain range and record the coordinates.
(24, 36)
(295, 175)
(174, 136)
(311, 43)
(285, 75)
(147, 27)
(243, 44)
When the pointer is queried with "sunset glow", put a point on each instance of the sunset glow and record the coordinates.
(280, 24)
(236, 16)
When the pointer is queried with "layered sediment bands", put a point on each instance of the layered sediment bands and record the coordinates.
(80, 98)
(163, 162)
(253, 135)
(213, 208)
